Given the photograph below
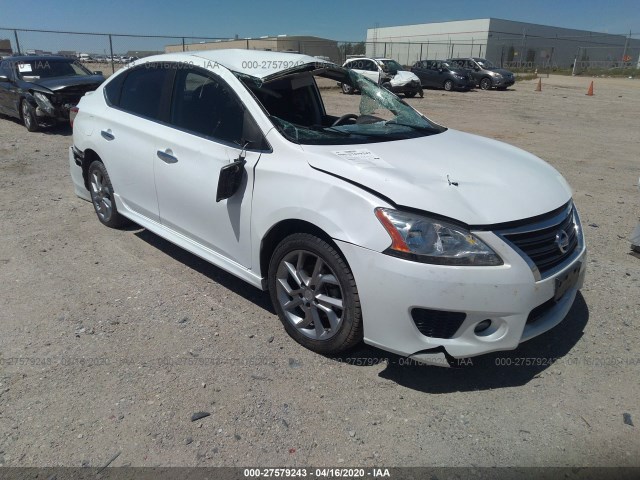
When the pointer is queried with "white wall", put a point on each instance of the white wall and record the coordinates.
(439, 40)
(499, 41)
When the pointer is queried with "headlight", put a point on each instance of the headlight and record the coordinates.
(428, 240)
(497, 75)
(44, 103)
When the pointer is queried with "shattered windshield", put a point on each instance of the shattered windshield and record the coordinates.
(297, 109)
(49, 68)
(391, 66)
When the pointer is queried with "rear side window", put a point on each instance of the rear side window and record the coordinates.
(142, 90)
(113, 89)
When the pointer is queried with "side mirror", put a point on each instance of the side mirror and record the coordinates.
(98, 72)
(230, 179)
(441, 70)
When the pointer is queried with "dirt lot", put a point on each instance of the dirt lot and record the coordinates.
(111, 340)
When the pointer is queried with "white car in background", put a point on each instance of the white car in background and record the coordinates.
(375, 225)
(385, 72)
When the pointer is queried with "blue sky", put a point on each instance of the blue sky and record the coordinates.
(338, 20)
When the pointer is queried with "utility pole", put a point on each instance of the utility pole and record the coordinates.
(524, 44)
(624, 51)
(375, 40)
(15, 33)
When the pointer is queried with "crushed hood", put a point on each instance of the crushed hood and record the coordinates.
(496, 182)
(58, 83)
(403, 77)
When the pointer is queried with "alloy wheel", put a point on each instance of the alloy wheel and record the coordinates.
(310, 295)
(101, 195)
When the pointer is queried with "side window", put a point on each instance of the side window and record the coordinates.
(372, 67)
(206, 106)
(113, 89)
(142, 90)
(358, 65)
(5, 69)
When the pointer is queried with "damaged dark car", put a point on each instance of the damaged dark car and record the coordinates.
(40, 91)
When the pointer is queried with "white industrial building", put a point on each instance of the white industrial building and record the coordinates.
(504, 42)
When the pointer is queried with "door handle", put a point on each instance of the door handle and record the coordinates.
(167, 156)
(107, 135)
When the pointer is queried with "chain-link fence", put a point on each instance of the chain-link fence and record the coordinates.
(100, 51)
(109, 51)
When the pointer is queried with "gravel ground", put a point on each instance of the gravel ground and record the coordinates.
(111, 340)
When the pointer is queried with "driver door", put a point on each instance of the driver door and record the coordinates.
(205, 134)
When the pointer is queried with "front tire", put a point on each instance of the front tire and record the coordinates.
(315, 294)
(29, 116)
(347, 89)
(102, 196)
(410, 94)
(485, 83)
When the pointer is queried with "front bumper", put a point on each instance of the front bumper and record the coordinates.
(59, 114)
(412, 86)
(390, 288)
(503, 82)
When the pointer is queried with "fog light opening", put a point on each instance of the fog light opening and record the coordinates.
(482, 327)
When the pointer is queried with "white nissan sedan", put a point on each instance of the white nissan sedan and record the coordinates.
(376, 224)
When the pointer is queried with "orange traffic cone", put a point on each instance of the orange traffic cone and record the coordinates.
(539, 87)
(590, 91)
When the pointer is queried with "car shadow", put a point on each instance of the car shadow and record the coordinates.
(63, 128)
(436, 89)
(216, 274)
(491, 371)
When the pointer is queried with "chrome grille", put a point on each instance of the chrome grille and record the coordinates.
(544, 243)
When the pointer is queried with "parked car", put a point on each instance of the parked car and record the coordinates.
(440, 74)
(385, 72)
(376, 224)
(41, 90)
(485, 73)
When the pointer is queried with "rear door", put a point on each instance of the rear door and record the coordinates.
(128, 132)
(206, 130)
(420, 69)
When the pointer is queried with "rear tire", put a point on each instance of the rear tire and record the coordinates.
(448, 85)
(315, 294)
(102, 196)
(28, 114)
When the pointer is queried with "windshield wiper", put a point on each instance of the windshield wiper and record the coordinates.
(320, 128)
(414, 127)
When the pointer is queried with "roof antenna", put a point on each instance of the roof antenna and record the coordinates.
(455, 184)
